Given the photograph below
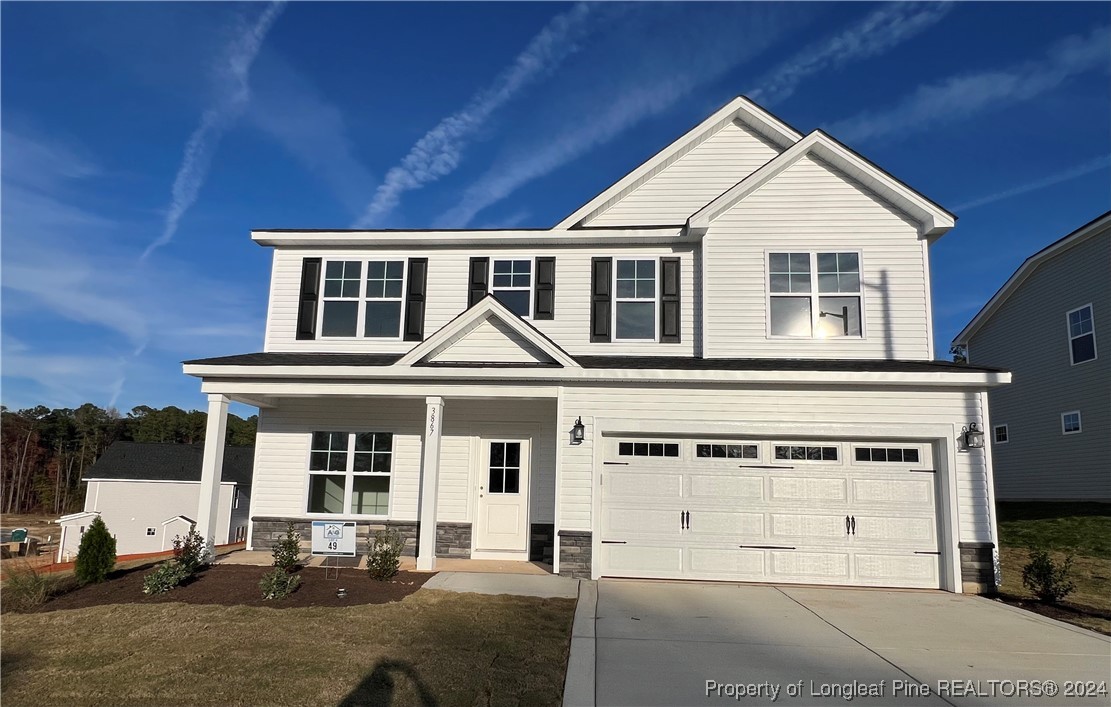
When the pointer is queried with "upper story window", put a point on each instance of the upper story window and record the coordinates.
(353, 306)
(814, 295)
(1070, 422)
(512, 285)
(1082, 335)
(635, 301)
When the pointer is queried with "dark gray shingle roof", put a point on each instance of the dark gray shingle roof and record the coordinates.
(144, 461)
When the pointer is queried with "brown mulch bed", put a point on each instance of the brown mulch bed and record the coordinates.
(1063, 611)
(237, 585)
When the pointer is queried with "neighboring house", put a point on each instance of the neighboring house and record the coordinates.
(721, 367)
(1050, 324)
(149, 493)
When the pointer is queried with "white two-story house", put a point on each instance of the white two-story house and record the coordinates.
(719, 368)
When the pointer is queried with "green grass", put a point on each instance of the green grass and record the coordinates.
(431, 648)
(1080, 528)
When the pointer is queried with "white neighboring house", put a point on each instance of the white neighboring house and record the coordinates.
(719, 368)
(148, 493)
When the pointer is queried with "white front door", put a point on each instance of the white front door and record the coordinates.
(503, 485)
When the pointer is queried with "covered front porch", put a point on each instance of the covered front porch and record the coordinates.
(460, 472)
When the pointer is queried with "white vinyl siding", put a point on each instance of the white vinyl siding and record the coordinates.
(678, 190)
(492, 340)
(811, 207)
(282, 450)
(447, 298)
(668, 409)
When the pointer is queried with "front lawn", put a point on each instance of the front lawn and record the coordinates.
(431, 648)
(1080, 529)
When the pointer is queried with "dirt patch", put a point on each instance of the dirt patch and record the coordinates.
(237, 585)
(1095, 619)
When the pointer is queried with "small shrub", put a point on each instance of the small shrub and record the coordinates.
(25, 589)
(96, 556)
(1049, 581)
(165, 577)
(383, 558)
(191, 552)
(287, 551)
(278, 584)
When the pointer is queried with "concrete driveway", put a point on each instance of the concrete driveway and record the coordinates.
(671, 643)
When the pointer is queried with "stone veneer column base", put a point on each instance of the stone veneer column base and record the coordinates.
(267, 530)
(541, 543)
(977, 568)
(575, 550)
(453, 539)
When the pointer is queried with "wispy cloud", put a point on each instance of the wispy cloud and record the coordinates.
(961, 97)
(439, 151)
(215, 122)
(1099, 163)
(878, 32)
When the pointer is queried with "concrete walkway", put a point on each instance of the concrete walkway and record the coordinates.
(527, 585)
(671, 643)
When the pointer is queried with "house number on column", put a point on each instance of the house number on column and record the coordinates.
(432, 422)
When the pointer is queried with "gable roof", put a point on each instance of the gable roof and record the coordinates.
(1098, 225)
(143, 461)
(934, 220)
(740, 108)
(489, 308)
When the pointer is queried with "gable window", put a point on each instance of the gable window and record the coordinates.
(635, 301)
(151, 532)
(1000, 434)
(1070, 422)
(1082, 335)
(369, 308)
(512, 285)
(350, 473)
(814, 295)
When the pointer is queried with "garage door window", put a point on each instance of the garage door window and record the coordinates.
(802, 452)
(727, 451)
(901, 455)
(648, 449)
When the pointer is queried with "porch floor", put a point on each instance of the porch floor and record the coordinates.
(263, 558)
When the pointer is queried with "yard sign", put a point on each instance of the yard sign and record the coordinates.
(333, 538)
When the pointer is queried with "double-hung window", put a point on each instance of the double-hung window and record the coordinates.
(354, 306)
(635, 301)
(814, 295)
(1070, 422)
(1082, 335)
(512, 285)
(349, 473)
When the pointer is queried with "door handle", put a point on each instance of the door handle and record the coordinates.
(688, 520)
(853, 524)
(847, 526)
(682, 520)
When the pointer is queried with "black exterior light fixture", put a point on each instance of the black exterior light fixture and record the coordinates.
(973, 436)
(578, 432)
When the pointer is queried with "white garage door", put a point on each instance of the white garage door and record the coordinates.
(816, 512)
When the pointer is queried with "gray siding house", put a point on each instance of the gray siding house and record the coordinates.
(1050, 324)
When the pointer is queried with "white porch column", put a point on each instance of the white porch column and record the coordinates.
(429, 480)
(212, 467)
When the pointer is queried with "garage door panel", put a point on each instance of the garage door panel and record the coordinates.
(643, 561)
(734, 525)
(896, 570)
(726, 562)
(620, 522)
(912, 489)
(808, 526)
(802, 489)
(628, 485)
(804, 566)
(726, 487)
(894, 530)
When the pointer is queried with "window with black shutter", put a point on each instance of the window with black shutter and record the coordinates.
(601, 299)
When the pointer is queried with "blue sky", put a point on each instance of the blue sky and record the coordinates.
(142, 142)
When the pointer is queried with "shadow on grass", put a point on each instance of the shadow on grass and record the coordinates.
(377, 688)
(1044, 510)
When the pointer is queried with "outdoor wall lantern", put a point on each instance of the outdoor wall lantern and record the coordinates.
(973, 436)
(578, 432)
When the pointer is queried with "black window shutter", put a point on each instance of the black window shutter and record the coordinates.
(544, 307)
(414, 299)
(669, 300)
(601, 297)
(479, 283)
(310, 295)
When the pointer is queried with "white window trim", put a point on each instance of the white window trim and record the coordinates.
(655, 301)
(813, 295)
(1079, 422)
(150, 534)
(349, 475)
(1068, 332)
(360, 316)
(531, 282)
(994, 434)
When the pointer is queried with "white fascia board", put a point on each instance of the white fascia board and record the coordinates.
(214, 377)
(1100, 225)
(739, 108)
(157, 481)
(488, 308)
(933, 220)
(177, 518)
(75, 516)
(409, 239)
